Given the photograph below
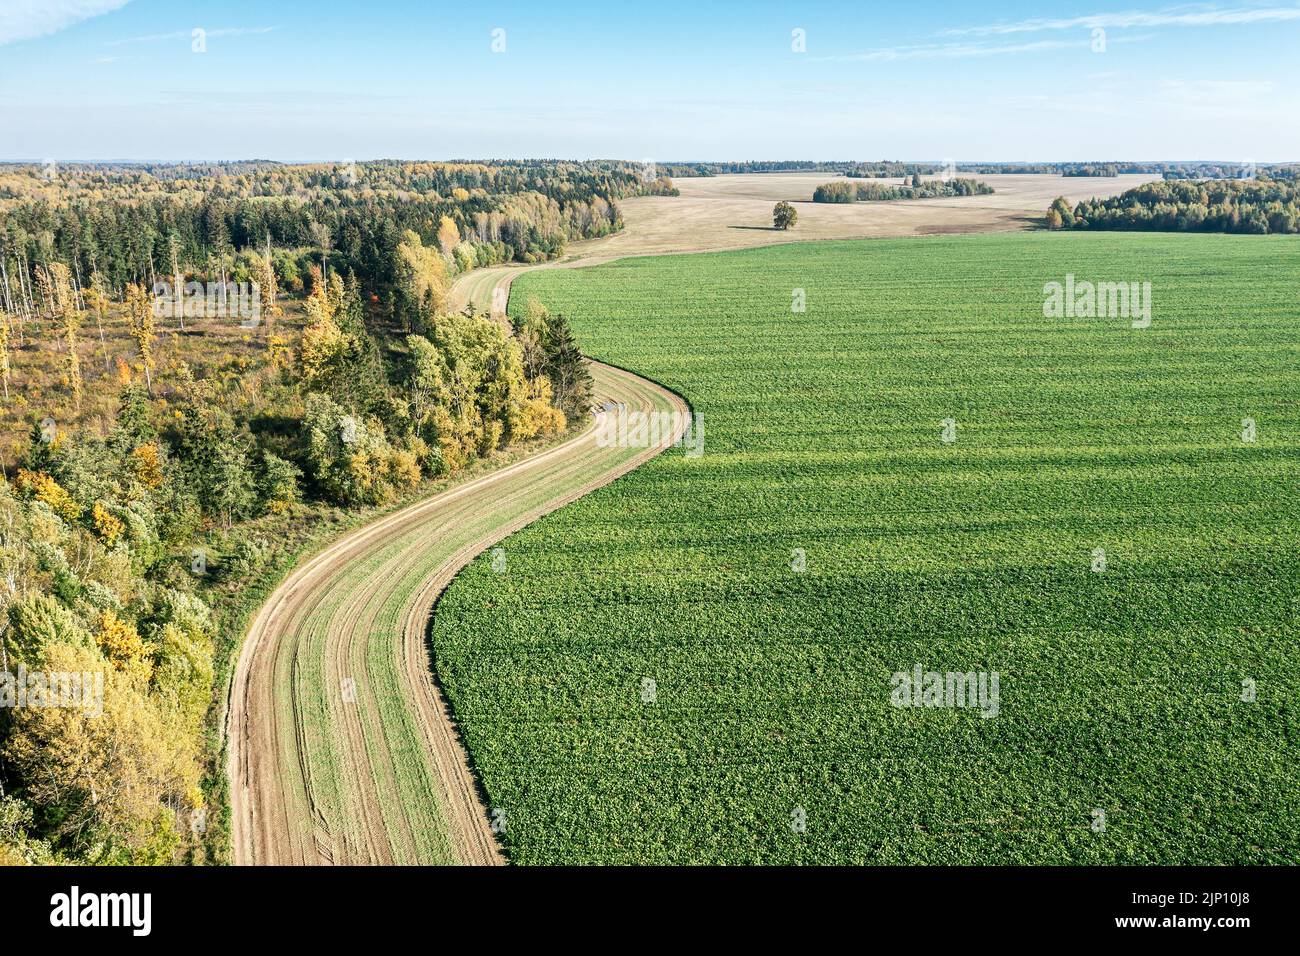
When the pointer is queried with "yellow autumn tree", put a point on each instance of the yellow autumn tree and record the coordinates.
(108, 526)
(324, 346)
(45, 489)
(122, 646)
(55, 282)
(266, 286)
(139, 311)
(421, 278)
(448, 235)
(146, 466)
(280, 349)
(72, 361)
(405, 467)
(98, 298)
(112, 775)
(537, 415)
(4, 351)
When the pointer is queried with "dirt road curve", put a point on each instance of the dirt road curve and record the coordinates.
(341, 748)
(340, 745)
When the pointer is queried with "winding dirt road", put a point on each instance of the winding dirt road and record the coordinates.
(340, 746)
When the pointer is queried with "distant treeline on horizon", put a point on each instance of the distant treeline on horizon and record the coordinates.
(1190, 169)
(881, 169)
(887, 169)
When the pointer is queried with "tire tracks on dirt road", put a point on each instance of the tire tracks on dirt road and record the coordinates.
(340, 745)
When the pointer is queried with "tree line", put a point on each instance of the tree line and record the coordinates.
(881, 169)
(129, 223)
(1258, 206)
(127, 552)
(842, 191)
(888, 169)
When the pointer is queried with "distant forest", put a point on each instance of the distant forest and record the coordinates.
(887, 169)
(126, 222)
(1260, 206)
(843, 191)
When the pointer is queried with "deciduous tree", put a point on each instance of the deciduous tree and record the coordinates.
(784, 215)
(139, 311)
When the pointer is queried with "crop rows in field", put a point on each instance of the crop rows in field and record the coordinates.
(652, 681)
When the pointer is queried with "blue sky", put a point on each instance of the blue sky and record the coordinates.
(119, 79)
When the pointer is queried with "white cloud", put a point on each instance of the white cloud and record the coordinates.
(952, 51)
(1217, 92)
(946, 51)
(186, 34)
(25, 19)
(1168, 16)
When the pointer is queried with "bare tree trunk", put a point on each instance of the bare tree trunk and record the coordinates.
(25, 287)
(100, 294)
(4, 270)
(178, 285)
(76, 288)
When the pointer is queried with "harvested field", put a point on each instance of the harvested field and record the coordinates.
(733, 212)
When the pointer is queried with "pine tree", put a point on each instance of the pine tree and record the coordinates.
(567, 369)
(232, 491)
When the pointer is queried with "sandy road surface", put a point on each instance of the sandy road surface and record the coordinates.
(341, 748)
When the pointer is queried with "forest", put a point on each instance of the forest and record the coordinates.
(842, 191)
(162, 470)
(880, 169)
(125, 222)
(1260, 206)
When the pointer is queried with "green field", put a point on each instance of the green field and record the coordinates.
(1120, 690)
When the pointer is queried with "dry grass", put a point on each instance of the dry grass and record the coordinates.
(735, 212)
(38, 386)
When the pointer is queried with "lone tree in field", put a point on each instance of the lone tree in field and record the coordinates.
(784, 215)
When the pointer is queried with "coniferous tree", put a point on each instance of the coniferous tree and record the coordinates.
(567, 369)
